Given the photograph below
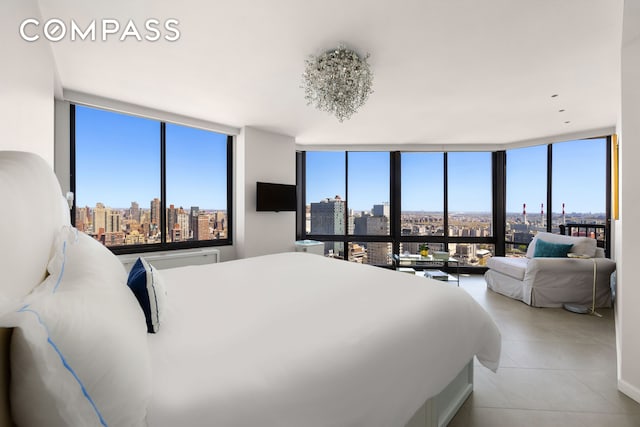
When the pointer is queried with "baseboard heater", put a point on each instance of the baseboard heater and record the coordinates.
(170, 259)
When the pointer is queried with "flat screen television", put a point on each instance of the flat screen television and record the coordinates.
(275, 197)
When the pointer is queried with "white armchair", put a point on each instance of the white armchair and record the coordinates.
(552, 282)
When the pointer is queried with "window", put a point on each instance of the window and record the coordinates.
(326, 193)
(385, 203)
(526, 196)
(368, 198)
(144, 185)
(469, 194)
(196, 184)
(422, 212)
(579, 182)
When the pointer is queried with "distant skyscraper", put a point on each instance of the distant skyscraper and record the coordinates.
(377, 252)
(134, 211)
(113, 221)
(155, 211)
(381, 210)
(203, 228)
(193, 221)
(82, 218)
(99, 218)
(183, 222)
(327, 217)
(172, 220)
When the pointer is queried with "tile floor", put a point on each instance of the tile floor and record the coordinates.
(557, 369)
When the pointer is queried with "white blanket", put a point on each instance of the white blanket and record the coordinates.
(301, 340)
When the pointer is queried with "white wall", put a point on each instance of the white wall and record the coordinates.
(627, 230)
(268, 157)
(27, 81)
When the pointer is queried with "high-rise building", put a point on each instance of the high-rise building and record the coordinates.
(113, 221)
(381, 210)
(83, 218)
(203, 227)
(99, 218)
(193, 221)
(378, 253)
(327, 217)
(172, 220)
(155, 212)
(134, 211)
(183, 223)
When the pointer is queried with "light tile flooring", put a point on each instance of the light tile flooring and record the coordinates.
(557, 369)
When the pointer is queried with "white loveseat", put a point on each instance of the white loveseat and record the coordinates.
(552, 282)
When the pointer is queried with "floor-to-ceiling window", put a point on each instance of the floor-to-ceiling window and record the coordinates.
(422, 201)
(579, 178)
(470, 206)
(369, 214)
(526, 197)
(367, 206)
(550, 186)
(325, 190)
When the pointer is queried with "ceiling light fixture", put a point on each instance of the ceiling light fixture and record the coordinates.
(337, 81)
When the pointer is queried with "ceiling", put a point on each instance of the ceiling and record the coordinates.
(445, 72)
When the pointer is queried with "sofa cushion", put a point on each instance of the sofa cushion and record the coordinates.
(546, 249)
(513, 267)
(581, 245)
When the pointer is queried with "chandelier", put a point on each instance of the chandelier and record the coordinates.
(338, 81)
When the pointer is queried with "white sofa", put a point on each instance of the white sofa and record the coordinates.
(552, 282)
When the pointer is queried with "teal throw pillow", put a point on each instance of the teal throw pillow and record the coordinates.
(551, 250)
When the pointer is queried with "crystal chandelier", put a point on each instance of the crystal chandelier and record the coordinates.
(338, 81)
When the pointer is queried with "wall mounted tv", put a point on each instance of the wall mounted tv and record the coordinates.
(275, 197)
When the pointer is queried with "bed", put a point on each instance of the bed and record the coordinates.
(280, 340)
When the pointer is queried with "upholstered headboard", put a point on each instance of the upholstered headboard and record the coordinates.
(33, 209)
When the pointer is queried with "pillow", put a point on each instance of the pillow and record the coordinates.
(581, 245)
(147, 285)
(79, 351)
(28, 181)
(551, 250)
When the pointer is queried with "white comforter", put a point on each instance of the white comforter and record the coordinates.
(300, 340)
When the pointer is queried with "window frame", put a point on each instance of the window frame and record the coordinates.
(498, 190)
(163, 245)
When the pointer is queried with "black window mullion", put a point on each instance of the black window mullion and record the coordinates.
(395, 198)
(163, 182)
(72, 160)
(345, 241)
(607, 231)
(301, 184)
(499, 202)
(229, 190)
(549, 185)
(445, 205)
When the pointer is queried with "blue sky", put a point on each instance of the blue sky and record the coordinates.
(578, 178)
(118, 161)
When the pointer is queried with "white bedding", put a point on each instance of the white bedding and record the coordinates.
(301, 340)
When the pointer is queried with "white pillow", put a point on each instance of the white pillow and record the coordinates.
(29, 186)
(581, 245)
(148, 287)
(79, 354)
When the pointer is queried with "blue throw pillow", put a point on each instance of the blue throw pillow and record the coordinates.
(551, 250)
(146, 284)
